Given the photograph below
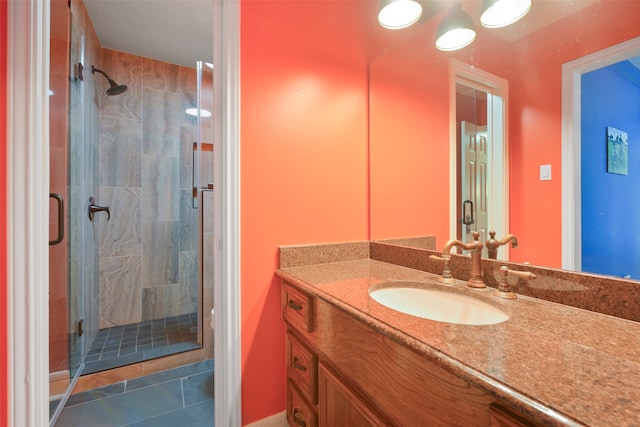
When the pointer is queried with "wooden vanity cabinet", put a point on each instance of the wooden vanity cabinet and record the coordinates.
(342, 372)
(341, 406)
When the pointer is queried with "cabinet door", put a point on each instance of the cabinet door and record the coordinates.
(340, 406)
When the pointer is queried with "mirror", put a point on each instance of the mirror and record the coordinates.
(410, 126)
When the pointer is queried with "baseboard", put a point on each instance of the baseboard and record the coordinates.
(277, 420)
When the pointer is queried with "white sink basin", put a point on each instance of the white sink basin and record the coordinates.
(439, 305)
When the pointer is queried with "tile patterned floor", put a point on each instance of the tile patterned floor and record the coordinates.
(178, 397)
(122, 345)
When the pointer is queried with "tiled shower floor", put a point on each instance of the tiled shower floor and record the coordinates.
(122, 345)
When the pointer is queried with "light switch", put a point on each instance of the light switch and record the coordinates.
(545, 172)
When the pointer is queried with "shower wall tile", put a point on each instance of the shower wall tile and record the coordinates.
(160, 253)
(120, 152)
(161, 146)
(188, 222)
(206, 167)
(160, 192)
(120, 291)
(160, 75)
(160, 119)
(146, 177)
(161, 301)
(149, 303)
(121, 236)
(207, 212)
(125, 69)
(168, 300)
(186, 160)
(188, 302)
(188, 91)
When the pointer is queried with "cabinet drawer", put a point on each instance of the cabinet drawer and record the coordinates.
(299, 412)
(302, 367)
(297, 308)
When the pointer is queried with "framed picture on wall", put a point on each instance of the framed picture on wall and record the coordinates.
(617, 151)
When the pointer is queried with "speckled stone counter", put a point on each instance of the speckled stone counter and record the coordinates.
(557, 364)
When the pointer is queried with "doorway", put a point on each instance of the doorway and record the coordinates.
(574, 220)
(28, 167)
(478, 184)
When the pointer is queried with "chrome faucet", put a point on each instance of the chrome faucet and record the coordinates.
(493, 244)
(475, 280)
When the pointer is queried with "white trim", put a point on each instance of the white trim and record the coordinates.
(499, 87)
(228, 385)
(28, 212)
(571, 143)
(277, 420)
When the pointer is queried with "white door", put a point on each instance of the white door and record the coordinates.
(474, 151)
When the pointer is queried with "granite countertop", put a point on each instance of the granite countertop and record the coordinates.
(557, 364)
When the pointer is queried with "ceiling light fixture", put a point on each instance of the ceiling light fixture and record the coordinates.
(396, 14)
(500, 13)
(455, 31)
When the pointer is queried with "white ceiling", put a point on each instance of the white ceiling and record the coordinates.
(175, 31)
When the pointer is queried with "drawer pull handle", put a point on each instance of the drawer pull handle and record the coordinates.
(297, 419)
(294, 305)
(298, 366)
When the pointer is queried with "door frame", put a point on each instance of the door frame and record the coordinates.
(571, 143)
(498, 178)
(28, 213)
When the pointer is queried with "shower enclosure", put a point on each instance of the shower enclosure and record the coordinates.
(129, 167)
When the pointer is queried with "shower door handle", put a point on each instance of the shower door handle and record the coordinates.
(195, 173)
(93, 208)
(60, 200)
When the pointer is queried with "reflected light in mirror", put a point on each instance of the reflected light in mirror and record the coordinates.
(500, 13)
(194, 112)
(456, 31)
(397, 14)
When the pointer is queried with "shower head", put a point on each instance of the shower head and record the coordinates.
(114, 88)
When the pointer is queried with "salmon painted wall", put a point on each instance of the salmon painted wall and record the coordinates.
(303, 161)
(4, 386)
(409, 141)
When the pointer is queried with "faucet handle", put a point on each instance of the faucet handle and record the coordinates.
(446, 277)
(504, 289)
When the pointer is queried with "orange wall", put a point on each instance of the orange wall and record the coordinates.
(303, 161)
(409, 141)
(4, 386)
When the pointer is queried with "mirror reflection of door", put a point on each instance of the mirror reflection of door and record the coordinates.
(473, 194)
(609, 173)
(479, 163)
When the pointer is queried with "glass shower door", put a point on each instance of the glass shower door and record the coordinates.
(76, 160)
